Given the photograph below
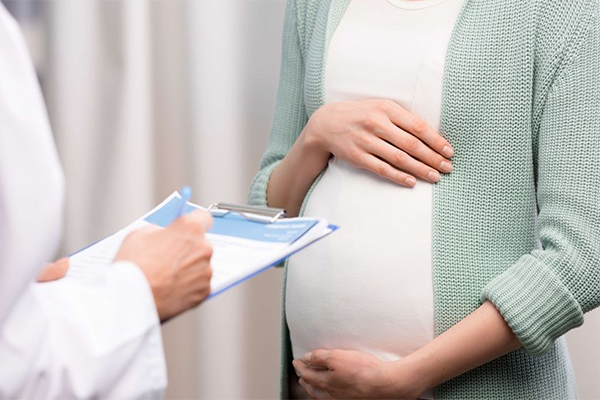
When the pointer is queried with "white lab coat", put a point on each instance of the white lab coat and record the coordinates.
(64, 339)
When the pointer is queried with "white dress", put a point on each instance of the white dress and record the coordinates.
(369, 286)
(60, 340)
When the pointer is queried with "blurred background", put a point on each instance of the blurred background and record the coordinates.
(146, 96)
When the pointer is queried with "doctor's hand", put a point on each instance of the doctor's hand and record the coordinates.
(349, 374)
(175, 260)
(54, 271)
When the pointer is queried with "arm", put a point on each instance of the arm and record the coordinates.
(69, 339)
(479, 338)
(546, 292)
(290, 113)
(58, 340)
(351, 374)
(100, 337)
(293, 177)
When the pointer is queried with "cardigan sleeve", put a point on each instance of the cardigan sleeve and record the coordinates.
(290, 112)
(546, 292)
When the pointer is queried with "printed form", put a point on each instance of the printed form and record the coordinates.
(241, 248)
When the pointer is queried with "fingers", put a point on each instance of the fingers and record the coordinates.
(196, 270)
(312, 376)
(414, 146)
(419, 128)
(385, 170)
(296, 391)
(54, 271)
(195, 223)
(202, 286)
(404, 161)
(318, 358)
(313, 392)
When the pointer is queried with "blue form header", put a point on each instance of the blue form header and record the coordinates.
(232, 224)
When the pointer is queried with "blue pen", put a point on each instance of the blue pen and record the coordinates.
(186, 195)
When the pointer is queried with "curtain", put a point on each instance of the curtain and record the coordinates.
(146, 96)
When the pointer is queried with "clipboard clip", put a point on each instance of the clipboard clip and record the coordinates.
(266, 215)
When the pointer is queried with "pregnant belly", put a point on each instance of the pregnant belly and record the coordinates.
(368, 287)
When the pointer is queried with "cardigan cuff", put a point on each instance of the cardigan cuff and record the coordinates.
(258, 190)
(537, 306)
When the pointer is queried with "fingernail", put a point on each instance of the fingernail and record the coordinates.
(445, 166)
(307, 357)
(411, 181)
(294, 365)
(433, 176)
(448, 151)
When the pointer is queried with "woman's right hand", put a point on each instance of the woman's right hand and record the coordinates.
(382, 137)
(377, 135)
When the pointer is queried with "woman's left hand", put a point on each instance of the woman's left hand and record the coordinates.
(345, 374)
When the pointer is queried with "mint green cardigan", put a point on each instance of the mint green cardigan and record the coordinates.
(518, 220)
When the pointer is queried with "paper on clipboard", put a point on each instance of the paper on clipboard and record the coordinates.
(241, 248)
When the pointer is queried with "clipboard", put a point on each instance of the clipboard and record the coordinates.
(246, 240)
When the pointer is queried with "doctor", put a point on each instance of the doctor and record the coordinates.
(68, 339)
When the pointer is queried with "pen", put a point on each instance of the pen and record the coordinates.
(186, 195)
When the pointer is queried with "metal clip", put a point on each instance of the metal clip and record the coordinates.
(266, 215)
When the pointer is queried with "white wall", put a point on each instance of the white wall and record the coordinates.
(584, 346)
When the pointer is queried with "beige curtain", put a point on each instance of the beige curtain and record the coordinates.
(146, 96)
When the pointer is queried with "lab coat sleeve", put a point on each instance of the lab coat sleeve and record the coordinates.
(82, 339)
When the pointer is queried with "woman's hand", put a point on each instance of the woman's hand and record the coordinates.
(382, 137)
(347, 374)
(377, 135)
(351, 374)
(297, 392)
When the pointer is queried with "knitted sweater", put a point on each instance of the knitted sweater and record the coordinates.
(518, 220)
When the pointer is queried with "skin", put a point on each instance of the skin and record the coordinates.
(175, 261)
(54, 271)
(345, 374)
(385, 139)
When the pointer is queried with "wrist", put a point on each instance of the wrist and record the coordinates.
(314, 140)
(292, 178)
(314, 146)
(408, 379)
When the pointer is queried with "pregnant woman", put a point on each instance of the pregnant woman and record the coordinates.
(457, 144)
